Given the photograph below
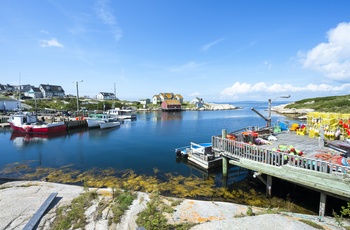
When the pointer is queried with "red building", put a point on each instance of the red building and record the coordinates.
(171, 105)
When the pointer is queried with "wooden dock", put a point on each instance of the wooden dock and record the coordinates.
(5, 125)
(328, 178)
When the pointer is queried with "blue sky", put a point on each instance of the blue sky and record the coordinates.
(221, 51)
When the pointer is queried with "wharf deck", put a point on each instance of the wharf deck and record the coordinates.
(308, 170)
(309, 146)
(5, 125)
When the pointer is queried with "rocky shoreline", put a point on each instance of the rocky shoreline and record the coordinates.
(19, 201)
(294, 113)
(206, 106)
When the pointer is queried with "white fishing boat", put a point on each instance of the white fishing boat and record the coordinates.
(200, 154)
(122, 113)
(95, 119)
(109, 123)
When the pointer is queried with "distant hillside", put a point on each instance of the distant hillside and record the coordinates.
(334, 104)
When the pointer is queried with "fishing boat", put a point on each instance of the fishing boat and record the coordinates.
(28, 123)
(200, 154)
(122, 113)
(95, 119)
(109, 123)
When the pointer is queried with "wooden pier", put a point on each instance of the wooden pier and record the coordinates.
(76, 124)
(308, 171)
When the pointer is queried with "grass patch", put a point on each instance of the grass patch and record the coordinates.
(73, 215)
(27, 185)
(312, 224)
(152, 217)
(120, 204)
(334, 104)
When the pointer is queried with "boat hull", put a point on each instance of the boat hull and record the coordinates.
(205, 163)
(108, 125)
(94, 123)
(94, 120)
(122, 114)
(40, 128)
(29, 123)
(200, 155)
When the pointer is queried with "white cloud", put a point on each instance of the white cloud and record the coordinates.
(333, 57)
(209, 45)
(44, 32)
(268, 65)
(50, 43)
(188, 66)
(240, 89)
(104, 13)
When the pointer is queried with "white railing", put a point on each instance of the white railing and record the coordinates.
(237, 150)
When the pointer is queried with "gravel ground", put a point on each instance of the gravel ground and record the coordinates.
(21, 199)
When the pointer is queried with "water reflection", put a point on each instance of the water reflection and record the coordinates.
(101, 133)
(21, 140)
(171, 115)
(235, 173)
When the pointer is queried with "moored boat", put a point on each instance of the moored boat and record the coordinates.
(200, 154)
(109, 123)
(122, 113)
(28, 123)
(94, 120)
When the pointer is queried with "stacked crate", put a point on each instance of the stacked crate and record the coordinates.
(335, 125)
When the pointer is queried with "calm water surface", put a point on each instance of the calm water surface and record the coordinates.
(141, 145)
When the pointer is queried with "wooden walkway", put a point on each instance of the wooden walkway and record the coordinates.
(326, 177)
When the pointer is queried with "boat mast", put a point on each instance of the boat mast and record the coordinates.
(19, 94)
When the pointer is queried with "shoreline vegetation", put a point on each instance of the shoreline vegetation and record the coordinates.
(206, 106)
(300, 109)
(337, 104)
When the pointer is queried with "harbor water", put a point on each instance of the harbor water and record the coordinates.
(142, 145)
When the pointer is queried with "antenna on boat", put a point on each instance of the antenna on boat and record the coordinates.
(19, 94)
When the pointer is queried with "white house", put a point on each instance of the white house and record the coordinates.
(144, 102)
(50, 91)
(106, 96)
(9, 104)
(156, 100)
(198, 102)
(34, 92)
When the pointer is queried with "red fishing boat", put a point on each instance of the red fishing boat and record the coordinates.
(29, 123)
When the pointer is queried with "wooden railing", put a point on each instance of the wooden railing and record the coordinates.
(236, 150)
(3, 119)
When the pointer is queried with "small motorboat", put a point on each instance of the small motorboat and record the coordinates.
(109, 123)
(94, 120)
(200, 154)
(122, 113)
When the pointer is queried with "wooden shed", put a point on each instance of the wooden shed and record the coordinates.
(171, 105)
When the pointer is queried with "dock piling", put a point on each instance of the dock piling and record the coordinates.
(224, 159)
(322, 208)
(268, 186)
